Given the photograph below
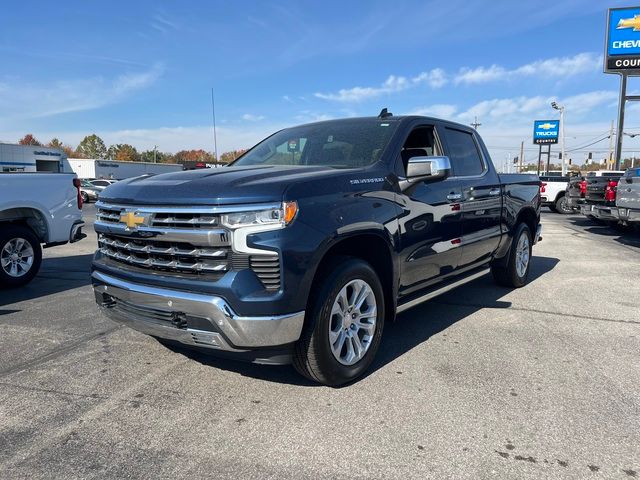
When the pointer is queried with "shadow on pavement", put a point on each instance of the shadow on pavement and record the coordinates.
(410, 329)
(625, 235)
(57, 274)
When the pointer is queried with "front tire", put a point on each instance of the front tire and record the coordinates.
(344, 324)
(20, 256)
(516, 271)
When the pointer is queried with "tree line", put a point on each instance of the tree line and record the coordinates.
(92, 146)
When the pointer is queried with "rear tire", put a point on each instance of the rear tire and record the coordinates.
(516, 271)
(85, 197)
(20, 255)
(562, 206)
(343, 324)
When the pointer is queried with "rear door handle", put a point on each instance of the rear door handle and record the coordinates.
(454, 196)
(494, 191)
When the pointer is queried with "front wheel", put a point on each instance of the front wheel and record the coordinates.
(20, 255)
(344, 324)
(516, 271)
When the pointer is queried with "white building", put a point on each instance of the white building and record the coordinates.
(31, 158)
(97, 168)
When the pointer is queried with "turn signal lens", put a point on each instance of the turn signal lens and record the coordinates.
(290, 211)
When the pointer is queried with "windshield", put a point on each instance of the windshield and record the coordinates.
(340, 144)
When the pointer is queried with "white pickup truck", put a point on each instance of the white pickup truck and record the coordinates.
(35, 209)
(553, 193)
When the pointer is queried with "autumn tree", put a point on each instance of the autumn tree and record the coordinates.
(91, 146)
(123, 152)
(55, 143)
(194, 156)
(29, 139)
(228, 157)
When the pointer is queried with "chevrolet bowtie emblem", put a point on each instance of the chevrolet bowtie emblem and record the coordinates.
(546, 126)
(629, 23)
(131, 220)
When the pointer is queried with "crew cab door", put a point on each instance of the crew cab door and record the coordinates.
(481, 202)
(429, 222)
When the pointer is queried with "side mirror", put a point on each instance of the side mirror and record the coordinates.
(426, 169)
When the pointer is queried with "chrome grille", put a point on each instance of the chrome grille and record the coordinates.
(187, 220)
(157, 255)
(267, 269)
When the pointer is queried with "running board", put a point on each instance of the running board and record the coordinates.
(441, 290)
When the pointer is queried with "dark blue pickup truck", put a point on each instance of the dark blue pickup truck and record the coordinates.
(305, 246)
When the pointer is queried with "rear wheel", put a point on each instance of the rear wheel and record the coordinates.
(20, 255)
(514, 274)
(85, 197)
(344, 324)
(562, 206)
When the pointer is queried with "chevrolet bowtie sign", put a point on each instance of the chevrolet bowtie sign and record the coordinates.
(545, 131)
(622, 48)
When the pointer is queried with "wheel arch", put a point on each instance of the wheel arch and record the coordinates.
(29, 217)
(373, 248)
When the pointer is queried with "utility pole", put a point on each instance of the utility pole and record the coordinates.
(215, 139)
(155, 151)
(475, 123)
(564, 163)
(521, 157)
(610, 158)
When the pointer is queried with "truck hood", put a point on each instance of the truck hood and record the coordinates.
(219, 186)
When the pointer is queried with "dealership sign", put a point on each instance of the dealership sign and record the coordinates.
(622, 48)
(545, 131)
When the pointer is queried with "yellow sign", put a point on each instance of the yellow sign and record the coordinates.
(546, 126)
(629, 23)
(130, 219)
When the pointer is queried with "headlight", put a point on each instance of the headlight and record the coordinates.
(274, 216)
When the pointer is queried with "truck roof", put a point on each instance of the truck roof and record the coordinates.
(391, 119)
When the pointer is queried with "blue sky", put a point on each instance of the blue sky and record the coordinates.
(141, 72)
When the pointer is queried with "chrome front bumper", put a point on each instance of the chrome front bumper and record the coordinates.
(190, 318)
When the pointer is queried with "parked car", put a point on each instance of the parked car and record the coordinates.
(628, 197)
(312, 240)
(102, 183)
(600, 196)
(553, 193)
(35, 209)
(89, 191)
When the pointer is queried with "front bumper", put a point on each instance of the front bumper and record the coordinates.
(190, 318)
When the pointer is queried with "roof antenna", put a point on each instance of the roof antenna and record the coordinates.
(384, 113)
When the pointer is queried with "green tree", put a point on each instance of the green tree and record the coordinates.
(29, 139)
(91, 146)
(123, 152)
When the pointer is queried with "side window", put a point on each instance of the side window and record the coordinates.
(421, 142)
(463, 153)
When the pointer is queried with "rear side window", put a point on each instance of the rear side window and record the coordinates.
(463, 153)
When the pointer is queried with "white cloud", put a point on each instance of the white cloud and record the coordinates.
(556, 67)
(435, 78)
(23, 100)
(441, 110)
(249, 117)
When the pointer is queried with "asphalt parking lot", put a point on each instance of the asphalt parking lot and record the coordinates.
(483, 382)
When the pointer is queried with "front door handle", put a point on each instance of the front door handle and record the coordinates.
(454, 196)
(494, 191)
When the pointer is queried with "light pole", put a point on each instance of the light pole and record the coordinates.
(561, 108)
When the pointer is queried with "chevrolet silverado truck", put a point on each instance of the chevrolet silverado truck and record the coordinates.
(303, 248)
(628, 198)
(600, 197)
(553, 193)
(35, 209)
